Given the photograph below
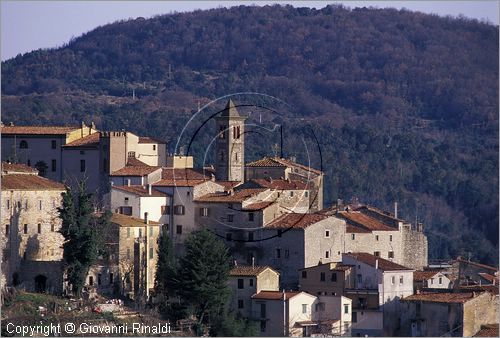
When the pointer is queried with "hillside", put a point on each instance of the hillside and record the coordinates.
(404, 104)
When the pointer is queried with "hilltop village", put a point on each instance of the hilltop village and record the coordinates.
(300, 268)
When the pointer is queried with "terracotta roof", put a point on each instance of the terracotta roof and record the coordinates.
(225, 197)
(489, 330)
(150, 140)
(289, 163)
(488, 277)
(134, 162)
(383, 264)
(275, 295)
(140, 190)
(493, 289)
(423, 275)
(178, 183)
(281, 184)
(248, 270)
(37, 130)
(266, 162)
(169, 173)
(489, 267)
(18, 168)
(29, 182)
(134, 171)
(91, 140)
(125, 220)
(359, 219)
(229, 184)
(295, 221)
(258, 206)
(441, 297)
(334, 266)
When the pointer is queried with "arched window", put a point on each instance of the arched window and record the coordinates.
(23, 144)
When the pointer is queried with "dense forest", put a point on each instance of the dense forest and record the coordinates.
(403, 105)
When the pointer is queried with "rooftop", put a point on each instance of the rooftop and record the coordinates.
(230, 110)
(275, 295)
(228, 197)
(17, 168)
(490, 278)
(129, 221)
(296, 221)
(135, 170)
(169, 173)
(480, 265)
(488, 330)
(88, 141)
(36, 130)
(134, 162)
(141, 191)
(29, 182)
(280, 184)
(424, 275)
(150, 140)
(442, 297)
(383, 264)
(258, 206)
(358, 219)
(248, 270)
(179, 183)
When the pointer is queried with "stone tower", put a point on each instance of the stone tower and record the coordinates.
(230, 145)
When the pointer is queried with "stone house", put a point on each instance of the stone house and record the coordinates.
(379, 286)
(31, 243)
(458, 314)
(327, 279)
(247, 280)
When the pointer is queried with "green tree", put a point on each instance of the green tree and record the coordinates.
(42, 167)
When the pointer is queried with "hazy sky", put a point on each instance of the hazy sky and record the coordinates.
(29, 25)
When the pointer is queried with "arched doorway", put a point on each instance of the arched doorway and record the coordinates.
(40, 283)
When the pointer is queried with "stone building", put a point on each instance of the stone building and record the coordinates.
(327, 279)
(31, 242)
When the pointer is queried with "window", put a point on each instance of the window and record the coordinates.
(291, 193)
(327, 233)
(278, 253)
(322, 277)
(151, 253)
(304, 274)
(440, 280)
(53, 165)
(393, 280)
(354, 317)
(53, 227)
(353, 236)
(188, 193)
(140, 233)
(304, 308)
(390, 238)
(240, 304)
(154, 146)
(23, 144)
(39, 228)
(390, 254)
(128, 232)
(204, 212)
(7, 228)
(250, 282)
(111, 278)
(401, 280)
(131, 154)
(128, 253)
(230, 218)
(91, 280)
(25, 229)
(241, 284)
(229, 236)
(251, 216)
(376, 237)
(99, 279)
(327, 254)
(307, 194)
(376, 253)
(151, 231)
(179, 210)
(179, 230)
(165, 210)
(125, 200)
(250, 236)
(8, 204)
(236, 157)
(346, 308)
(82, 166)
(334, 277)
(40, 205)
(222, 132)
(432, 281)
(29, 163)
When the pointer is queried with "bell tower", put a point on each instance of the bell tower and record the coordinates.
(230, 145)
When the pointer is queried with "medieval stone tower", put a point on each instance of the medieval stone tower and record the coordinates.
(230, 145)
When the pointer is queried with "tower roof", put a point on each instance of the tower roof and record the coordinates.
(230, 110)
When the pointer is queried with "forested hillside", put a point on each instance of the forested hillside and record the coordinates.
(404, 104)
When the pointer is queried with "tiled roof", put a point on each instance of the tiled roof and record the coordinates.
(91, 140)
(489, 267)
(125, 220)
(489, 330)
(17, 168)
(36, 130)
(441, 297)
(383, 264)
(333, 266)
(266, 162)
(423, 275)
(289, 163)
(227, 197)
(275, 295)
(358, 219)
(229, 184)
(258, 206)
(248, 270)
(488, 277)
(134, 162)
(281, 184)
(140, 190)
(29, 182)
(134, 171)
(493, 289)
(178, 183)
(150, 140)
(169, 173)
(296, 221)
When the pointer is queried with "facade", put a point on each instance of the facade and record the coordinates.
(327, 279)
(431, 279)
(31, 243)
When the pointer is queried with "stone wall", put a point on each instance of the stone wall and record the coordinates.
(480, 311)
(414, 248)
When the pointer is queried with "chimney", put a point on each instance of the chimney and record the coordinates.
(235, 262)
(146, 220)
(376, 264)
(149, 189)
(212, 177)
(395, 209)
(253, 262)
(128, 182)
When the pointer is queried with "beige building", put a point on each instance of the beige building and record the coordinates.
(247, 280)
(31, 243)
(327, 279)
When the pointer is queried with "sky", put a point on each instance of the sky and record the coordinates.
(30, 25)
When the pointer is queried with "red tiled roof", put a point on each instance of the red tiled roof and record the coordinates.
(441, 297)
(229, 184)
(493, 289)
(248, 270)
(36, 130)
(18, 168)
(423, 275)
(258, 206)
(29, 182)
(383, 264)
(289, 163)
(275, 295)
(489, 330)
(265, 162)
(296, 221)
(226, 197)
(150, 140)
(91, 140)
(178, 183)
(135, 171)
(134, 162)
(489, 267)
(356, 218)
(488, 277)
(140, 190)
(169, 173)
(281, 184)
